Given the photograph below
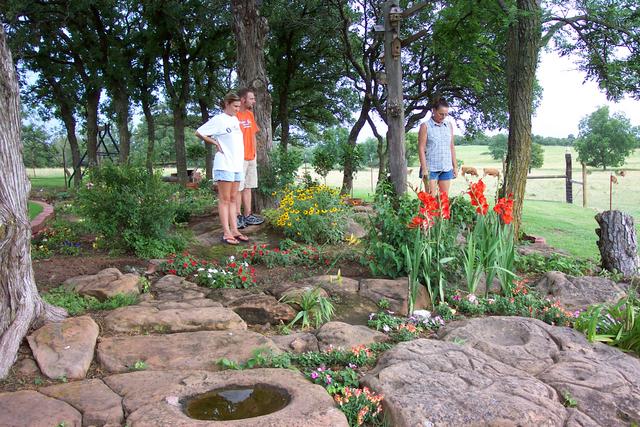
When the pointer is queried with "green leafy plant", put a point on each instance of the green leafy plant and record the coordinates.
(289, 253)
(139, 365)
(538, 263)
(568, 400)
(360, 406)
(313, 308)
(76, 304)
(132, 209)
(145, 285)
(61, 237)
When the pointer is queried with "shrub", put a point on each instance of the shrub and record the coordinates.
(76, 304)
(281, 171)
(313, 308)
(313, 215)
(132, 209)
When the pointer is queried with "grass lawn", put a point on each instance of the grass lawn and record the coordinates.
(34, 210)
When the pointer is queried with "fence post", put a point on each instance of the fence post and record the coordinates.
(568, 177)
(584, 185)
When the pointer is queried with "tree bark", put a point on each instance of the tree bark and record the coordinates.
(151, 132)
(92, 103)
(618, 242)
(20, 304)
(349, 164)
(283, 119)
(523, 47)
(208, 159)
(121, 106)
(251, 30)
(383, 151)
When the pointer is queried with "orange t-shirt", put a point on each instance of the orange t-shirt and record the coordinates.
(249, 129)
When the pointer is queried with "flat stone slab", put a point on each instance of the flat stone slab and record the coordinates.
(174, 288)
(65, 349)
(98, 404)
(434, 383)
(345, 336)
(105, 284)
(29, 408)
(187, 350)
(260, 308)
(578, 293)
(155, 398)
(604, 381)
(167, 319)
(396, 292)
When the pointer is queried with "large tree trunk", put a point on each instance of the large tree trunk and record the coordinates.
(349, 164)
(178, 133)
(383, 152)
(523, 47)
(70, 126)
(151, 133)
(251, 30)
(283, 119)
(121, 105)
(618, 242)
(20, 304)
(93, 100)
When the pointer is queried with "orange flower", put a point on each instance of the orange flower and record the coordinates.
(504, 208)
(445, 210)
(476, 192)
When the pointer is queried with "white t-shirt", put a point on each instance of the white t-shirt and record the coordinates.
(226, 130)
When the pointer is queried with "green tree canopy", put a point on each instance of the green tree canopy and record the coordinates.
(606, 140)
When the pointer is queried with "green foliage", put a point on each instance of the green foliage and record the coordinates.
(324, 159)
(604, 140)
(140, 365)
(314, 308)
(538, 264)
(191, 201)
(282, 170)
(537, 156)
(498, 146)
(34, 210)
(61, 237)
(463, 214)
(615, 324)
(289, 253)
(76, 304)
(231, 274)
(131, 209)
(312, 215)
(568, 400)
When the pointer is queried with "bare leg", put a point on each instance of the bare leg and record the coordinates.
(433, 187)
(246, 201)
(444, 186)
(235, 201)
(225, 208)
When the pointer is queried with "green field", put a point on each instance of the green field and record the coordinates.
(34, 210)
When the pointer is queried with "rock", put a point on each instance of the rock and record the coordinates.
(29, 408)
(540, 248)
(186, 304)
(353, 228)
(153, 401)
(107, 283)
(168, 320)
(342, 335)
(65, 348)
(187, 350)
(302, 342)
(333, 285)
(396, 292)
(226, 296)
(174, 288)
(604, 381)
(258, 309)
(434, 383)
(577, 293)
(28, 367)
(97, 402)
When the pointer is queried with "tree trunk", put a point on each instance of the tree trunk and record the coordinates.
(283, 119)
(251, 30)
(349, 164)
(70, 126)
(618, 242)
(383, 151)
(20, 304)
(522, 59)
(93, 100)
(208, 159)
(151, 133)
(181, 153)
(121, 105)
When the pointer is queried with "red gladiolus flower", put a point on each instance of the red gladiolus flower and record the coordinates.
(476, 192)
(504, 208)
(243, 278)
(445, 209)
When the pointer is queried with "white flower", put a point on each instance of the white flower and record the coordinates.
(214, 271)
(209, 276)
(201, 269)
(386, 328)
(231, 258)
(472, 299)
(210, 270)
(422, 314)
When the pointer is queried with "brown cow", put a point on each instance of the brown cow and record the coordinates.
(614, 179)
(491, 172)
(469, 170)
(621, 172)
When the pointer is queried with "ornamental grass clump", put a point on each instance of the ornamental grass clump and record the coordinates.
(315, 214)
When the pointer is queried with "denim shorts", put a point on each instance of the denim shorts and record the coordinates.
(220, 175)
(441, 175)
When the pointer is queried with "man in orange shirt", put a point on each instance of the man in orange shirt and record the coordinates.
(249, 129)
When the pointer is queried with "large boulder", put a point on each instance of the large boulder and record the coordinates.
(577, 293)
(65, 349)
(434, 383)
(105, 284)
(174, 288)
(345, 336)
(332, 285)
(396, 292)
(261, 308)
(155, 398)
(97, 402)
(29, 408)
(604, 381)
(170, 318)
(187, 350)
(301, 342)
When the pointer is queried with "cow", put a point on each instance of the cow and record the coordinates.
(491, 172)
(469, 170)
(614, 179)
(621, 172)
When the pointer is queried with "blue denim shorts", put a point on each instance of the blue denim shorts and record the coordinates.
(220, 175)
(441, 176)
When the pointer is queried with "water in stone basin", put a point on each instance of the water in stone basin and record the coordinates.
(236, 403)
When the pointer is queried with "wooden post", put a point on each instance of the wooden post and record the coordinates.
(395, 105)
(584, 185)
(568, 177)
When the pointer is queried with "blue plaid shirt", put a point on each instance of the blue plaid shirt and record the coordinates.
(438, 150)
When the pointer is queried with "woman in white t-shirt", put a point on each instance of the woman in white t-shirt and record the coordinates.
(223, 131)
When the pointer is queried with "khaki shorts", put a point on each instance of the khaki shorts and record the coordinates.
(250, 175)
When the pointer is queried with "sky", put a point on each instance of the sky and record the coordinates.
(566, 99)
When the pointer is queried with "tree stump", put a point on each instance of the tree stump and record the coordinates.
(617, 242)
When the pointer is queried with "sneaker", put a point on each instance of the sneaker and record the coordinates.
(241, 222)
(253, 220)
